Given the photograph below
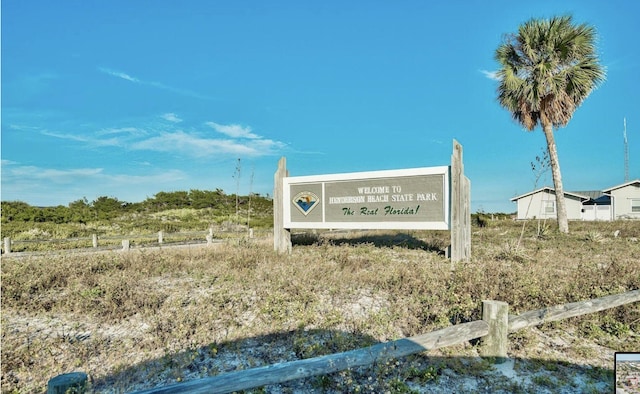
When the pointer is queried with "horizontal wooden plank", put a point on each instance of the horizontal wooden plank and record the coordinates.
(283, 372)
(559, 312)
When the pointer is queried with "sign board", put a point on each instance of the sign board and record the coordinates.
(429, 198)
(415, 198)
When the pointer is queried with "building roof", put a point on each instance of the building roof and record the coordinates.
(551, 190)
(592, 194)
(637, 181)
(602, 200)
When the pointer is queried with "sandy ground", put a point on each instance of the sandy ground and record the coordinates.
(528, 369)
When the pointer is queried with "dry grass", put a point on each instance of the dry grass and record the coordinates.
(145, 318)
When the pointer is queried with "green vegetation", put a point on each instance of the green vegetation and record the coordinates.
(106, 217)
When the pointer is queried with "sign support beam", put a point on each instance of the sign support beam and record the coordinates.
(460, 249)
(281, 235)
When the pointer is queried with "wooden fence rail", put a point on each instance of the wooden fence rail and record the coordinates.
(559, 312)
(160, 238)
(284, 372)
(492, 329)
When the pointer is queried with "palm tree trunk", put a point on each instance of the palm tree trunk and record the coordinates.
(561, 208)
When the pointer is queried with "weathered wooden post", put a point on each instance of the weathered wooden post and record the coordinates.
(95, 240)
(125, 245)
(7, 245)
(209, 238)
(74, 382)
(460, 249)
(281, 235)
(495, 344)
(160, 236)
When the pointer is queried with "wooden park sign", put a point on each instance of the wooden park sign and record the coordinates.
(429, 198)
(397, 199)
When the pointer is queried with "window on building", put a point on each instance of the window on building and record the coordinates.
(635, 205)
(549, 207)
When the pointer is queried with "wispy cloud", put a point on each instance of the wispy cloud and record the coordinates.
(166, 133)
(122, 130)
(66, 136)
(233, 130)
(94, 140)
(59, 176)
(159, 85)
(52, 186)
(118, 136)
(193, 145)
(51, 175)
(240, 140)
(23, 128)
(164, 178)
(119, 74)
(493, 75)
(171, 117)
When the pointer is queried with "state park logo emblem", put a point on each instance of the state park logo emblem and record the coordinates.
(305, 202)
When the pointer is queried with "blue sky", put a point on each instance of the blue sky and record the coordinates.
(129, 98)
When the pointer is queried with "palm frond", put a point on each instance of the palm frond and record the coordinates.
(547, 70)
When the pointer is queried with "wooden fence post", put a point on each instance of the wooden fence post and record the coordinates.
(460, 249)
(209, 239)
(125, 245)
(494, 345)
(7, 245)
(74, 382)
(95, 240)
(281, 235)
(160, 236)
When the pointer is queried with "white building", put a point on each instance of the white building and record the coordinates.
(541, 204)
(617, 202)
(625, 200)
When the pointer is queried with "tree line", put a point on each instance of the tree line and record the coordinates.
(105, 208)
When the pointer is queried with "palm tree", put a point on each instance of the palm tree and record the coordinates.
(547, 70)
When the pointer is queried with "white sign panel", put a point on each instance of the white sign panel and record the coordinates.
(415, 198)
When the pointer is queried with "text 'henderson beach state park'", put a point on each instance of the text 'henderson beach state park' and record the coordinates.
(381, 194)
